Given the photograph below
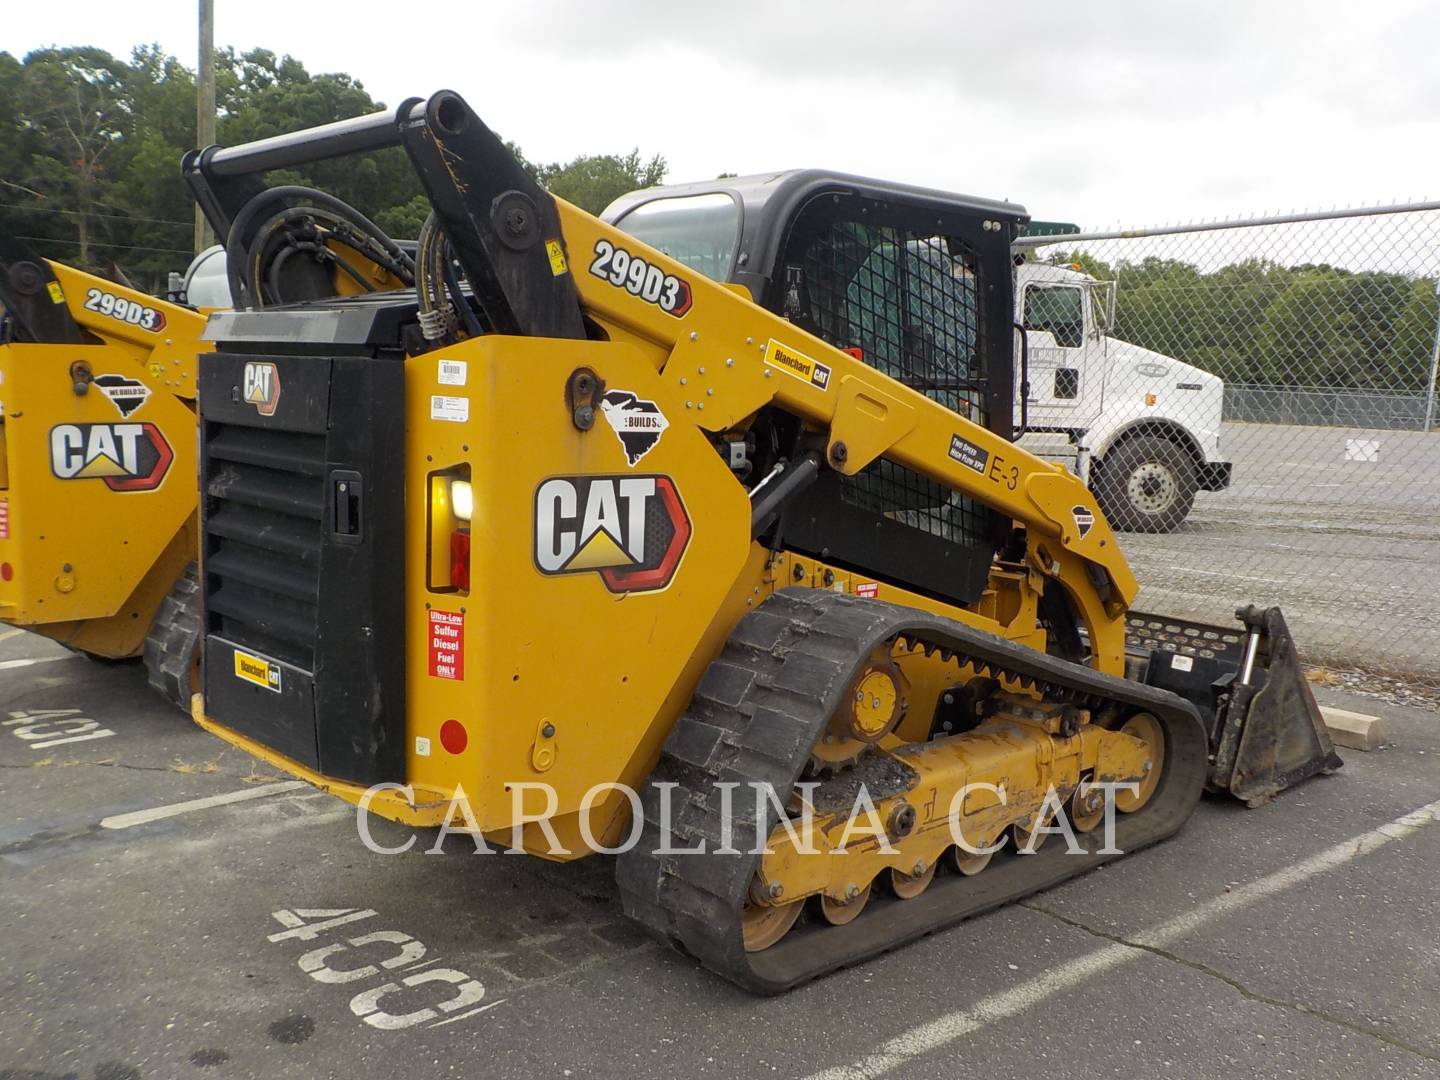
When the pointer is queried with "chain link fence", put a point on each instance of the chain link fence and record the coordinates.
(1254, 403)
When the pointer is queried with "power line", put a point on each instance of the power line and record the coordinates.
(94, 213)
(105, 244)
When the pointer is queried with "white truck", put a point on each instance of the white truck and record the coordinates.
(1143, 429)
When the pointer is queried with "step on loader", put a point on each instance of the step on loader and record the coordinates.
(652, 535)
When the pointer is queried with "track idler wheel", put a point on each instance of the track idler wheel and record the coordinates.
(1086, 806)
(840, 912)
(1147, 729)
(909, 886)
(971, 863)
(762, 925)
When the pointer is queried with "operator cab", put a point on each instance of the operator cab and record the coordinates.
(916, 283)
(908, 279)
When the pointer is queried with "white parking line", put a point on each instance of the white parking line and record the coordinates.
(158, 813)
(7, 664)
(467, 1015)
(103, 733)
(919, 1040)
(12, 632)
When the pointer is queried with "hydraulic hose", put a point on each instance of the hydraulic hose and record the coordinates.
(246, 246)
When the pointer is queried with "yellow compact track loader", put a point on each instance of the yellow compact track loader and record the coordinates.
(716, 508)
(97, 468)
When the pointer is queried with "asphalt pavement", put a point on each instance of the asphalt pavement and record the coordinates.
(1339, 526)
(171, 910)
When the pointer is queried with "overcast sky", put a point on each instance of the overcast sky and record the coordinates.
(1134, 111)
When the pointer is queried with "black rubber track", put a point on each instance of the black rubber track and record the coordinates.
(761, 706)
(174, 641)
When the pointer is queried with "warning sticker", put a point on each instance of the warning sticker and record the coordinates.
(447, 645)
(454, 409)
(867, 589)
(557, 257)
(452, 373)
(4, 519)
(1182, 663)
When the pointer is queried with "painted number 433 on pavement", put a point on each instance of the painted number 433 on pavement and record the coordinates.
(387, 969)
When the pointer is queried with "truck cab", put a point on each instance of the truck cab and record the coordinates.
(1143, 428)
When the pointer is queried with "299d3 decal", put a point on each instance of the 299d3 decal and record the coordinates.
(126, 311)
(639, 278)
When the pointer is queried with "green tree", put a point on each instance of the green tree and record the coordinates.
(1415, 328)
(267, 96)
(90, 147)
(1085, 263)
(593, 181)
(15, 140)
(73, 105)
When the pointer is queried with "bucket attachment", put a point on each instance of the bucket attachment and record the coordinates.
(1266, 732)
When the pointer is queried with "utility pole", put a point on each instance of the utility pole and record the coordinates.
(205, 106)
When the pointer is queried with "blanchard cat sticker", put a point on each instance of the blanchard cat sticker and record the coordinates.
(1084, 520)
(794, 362)
(637, 423)
(257, 670)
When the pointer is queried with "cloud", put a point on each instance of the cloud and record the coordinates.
(1096, 112)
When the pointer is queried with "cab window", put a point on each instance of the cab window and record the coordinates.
(1060, 309)
(698, 230)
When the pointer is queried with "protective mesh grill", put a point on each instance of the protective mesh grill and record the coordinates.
(911, 499)
(908, 305)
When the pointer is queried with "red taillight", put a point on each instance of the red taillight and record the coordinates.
(856, 351)
(460, 559)
(6, 571)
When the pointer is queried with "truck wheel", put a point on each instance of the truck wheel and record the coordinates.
(1146, 484)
